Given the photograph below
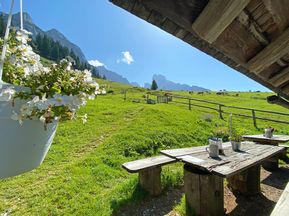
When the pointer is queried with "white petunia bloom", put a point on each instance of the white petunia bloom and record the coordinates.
(17, 117)
(7, 94)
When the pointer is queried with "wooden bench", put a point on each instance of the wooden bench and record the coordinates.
(282, 206)
(149, 170)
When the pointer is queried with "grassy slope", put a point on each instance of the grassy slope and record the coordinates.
(82, 173)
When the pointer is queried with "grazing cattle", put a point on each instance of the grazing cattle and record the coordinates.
(237, 95)
(220, 93)
(200, 93)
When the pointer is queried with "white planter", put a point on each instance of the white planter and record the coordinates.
(22, 148)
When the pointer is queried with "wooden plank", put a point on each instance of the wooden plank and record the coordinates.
(280, 78)
(216, 17)
(270, 54)
(138, 165)
(187, 151)
(231, 162)
(282, 206)
(261, 137)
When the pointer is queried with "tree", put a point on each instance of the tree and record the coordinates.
(2, 26)
(154, 85)
(104, 77)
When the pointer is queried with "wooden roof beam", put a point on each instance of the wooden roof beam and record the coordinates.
(280, 78)
(270, 54)
(216, 17)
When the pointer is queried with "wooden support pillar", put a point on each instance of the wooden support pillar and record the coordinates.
(190, 104)
(247, 182)
(150, 180)
(271, 164)
(204, 192)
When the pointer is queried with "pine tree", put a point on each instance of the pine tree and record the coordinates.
(154, 85)
(2, 26)
(104, 77)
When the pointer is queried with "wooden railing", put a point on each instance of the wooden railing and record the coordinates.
(220, 108)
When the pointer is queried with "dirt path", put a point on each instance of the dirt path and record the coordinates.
(272, 185)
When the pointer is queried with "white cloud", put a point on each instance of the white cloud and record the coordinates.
(95, 63)
(126, 58)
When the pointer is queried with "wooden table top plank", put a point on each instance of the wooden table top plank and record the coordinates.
(231, 162)
(138, 165)
(261, 137)
(191, 150)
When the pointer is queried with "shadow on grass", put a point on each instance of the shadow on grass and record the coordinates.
(137, 195)
(140, 203)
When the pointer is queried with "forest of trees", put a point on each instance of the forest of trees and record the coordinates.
(53, 50)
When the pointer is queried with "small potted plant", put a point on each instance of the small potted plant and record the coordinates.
(268, 132)
(236, 139)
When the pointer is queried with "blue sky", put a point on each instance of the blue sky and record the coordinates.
(105, 33)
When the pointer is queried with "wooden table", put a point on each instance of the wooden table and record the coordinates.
(203, 176)
(272, 163)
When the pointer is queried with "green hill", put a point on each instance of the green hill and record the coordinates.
(82, 173)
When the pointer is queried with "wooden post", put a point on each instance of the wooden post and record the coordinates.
(204, 192)
(190, 105)
(150, 180)
(220, 112)
(254, 119)
(247, 182)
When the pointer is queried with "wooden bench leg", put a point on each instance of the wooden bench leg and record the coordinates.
(150, 180)
(247, 182)
(204, 192)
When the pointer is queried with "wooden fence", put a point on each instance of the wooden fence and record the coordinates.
(220, 108)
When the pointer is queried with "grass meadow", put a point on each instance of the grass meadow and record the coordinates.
(82, 174)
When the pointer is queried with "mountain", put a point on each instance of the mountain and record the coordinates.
(165, 84)
(110, 75)
(58, 36)
(54, 34)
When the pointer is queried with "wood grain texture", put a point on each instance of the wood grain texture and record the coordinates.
(216, 17)
(281, 77)
(274, 139)
(270, 54)
(150, 180)
(138, 165)
(231, 162)
(204, 192)
(282, 206)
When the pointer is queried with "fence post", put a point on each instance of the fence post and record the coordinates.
(254, 118)
(190, 105)
(220, 111)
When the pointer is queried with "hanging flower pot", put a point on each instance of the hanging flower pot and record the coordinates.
(33, 99)
(22, 147)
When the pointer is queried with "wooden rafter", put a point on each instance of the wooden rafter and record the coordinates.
(280, 78)
(270, 54)
(216, 17)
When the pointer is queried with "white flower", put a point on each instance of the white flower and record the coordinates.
(42, 119)
(17, 117)
(7, 94)
(26, 110)
(84, 118)
(87, 76)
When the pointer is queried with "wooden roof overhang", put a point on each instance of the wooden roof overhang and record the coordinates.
(251, 36)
